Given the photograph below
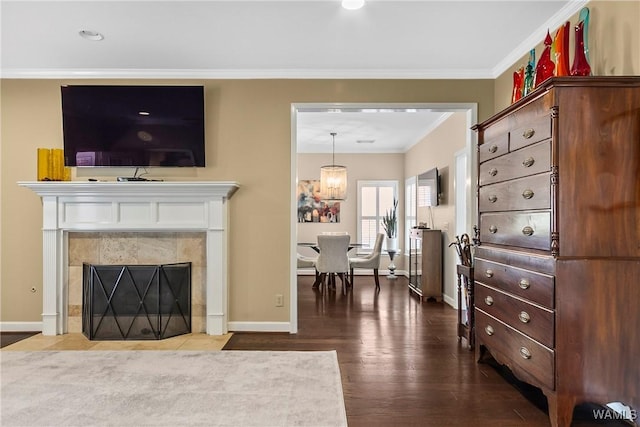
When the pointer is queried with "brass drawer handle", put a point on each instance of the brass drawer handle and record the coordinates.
(489, 330)
(488, 300)
(524, 284)
(525, 353)
(493, 148)
(527, 134)
(527, 194)
(493, 171)
(493, 198)
(527, 231)
(528, 162)
(493, 229)
(488, 273)
(524, 317)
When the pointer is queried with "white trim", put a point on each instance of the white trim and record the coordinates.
(259, 326)
(451, 301)
(52, 73)
(21, 326)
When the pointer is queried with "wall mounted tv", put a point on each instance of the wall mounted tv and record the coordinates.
(134, 126)
(429, 188)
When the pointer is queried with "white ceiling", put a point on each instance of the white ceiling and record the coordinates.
(279, 39)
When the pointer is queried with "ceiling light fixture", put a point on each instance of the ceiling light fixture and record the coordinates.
(333, 178)
(352, 4)
(91, 35)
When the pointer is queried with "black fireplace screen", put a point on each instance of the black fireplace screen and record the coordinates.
(136, 302)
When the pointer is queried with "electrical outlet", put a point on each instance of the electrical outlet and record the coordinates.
(445, 226)
(279, 300)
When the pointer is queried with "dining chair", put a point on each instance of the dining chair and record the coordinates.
(371, 260)
(333, 259)
(307, 262)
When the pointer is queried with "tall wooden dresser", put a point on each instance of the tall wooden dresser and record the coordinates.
(557, 273)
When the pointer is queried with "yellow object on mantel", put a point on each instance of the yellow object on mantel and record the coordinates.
(51, 165)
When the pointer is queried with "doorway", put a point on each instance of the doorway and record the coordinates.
(464, 217)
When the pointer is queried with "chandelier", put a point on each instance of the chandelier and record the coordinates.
(333, 178)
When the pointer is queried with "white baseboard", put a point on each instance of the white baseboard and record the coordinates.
(451, 301)
(21, 326)
(259, 326)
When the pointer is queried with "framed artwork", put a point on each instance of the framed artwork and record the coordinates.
(311, 208)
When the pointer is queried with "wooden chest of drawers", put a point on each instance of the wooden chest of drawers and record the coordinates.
(558, 206)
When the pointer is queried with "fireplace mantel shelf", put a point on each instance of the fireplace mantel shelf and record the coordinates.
(133, 188)
(193, 206)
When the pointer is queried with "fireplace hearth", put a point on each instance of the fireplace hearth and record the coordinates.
(136, 302)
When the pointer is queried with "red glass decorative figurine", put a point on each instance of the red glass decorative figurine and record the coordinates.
(580, 65)
(518, 83)
(545, 66)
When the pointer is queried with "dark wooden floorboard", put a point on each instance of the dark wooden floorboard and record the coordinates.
(401, 362)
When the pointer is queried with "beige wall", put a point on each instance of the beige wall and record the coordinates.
(614, 43)
(437, 149)
(248, 140)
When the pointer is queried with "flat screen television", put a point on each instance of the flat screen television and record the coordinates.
(134, 126)
(429, 188)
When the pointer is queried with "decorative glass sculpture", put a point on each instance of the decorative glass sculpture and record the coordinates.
(545, 66)
(584, 17)
(560, 48)
(529, 74)
(580, 65)
(518, 83)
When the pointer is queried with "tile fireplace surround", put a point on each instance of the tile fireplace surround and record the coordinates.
(132, 207)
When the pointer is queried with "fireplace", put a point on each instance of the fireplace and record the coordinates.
(132, 207)
(136, 302)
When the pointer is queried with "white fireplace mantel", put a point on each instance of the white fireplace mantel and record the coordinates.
(136, 207)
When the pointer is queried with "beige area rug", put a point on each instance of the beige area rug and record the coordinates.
(171, 388)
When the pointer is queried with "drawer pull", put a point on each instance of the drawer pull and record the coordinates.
(527, 231)
(524, 284)
(527, 134)
(528, 162)
(488, 300)
(525, 353)
(489, 330)
(524, 317)
(527, 194)
(493, 198)
(493, 229)
(488, 273)
(493, 148)
(493, 171)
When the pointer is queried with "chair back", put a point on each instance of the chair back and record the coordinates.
(333, 256)
(377, 246)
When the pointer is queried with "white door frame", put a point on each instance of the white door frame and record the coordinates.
(463, 216)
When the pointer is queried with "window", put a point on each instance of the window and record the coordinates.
(410, 210)
(374, 199)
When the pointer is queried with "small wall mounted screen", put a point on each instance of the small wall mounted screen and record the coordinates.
(133, 125)
(429, 188)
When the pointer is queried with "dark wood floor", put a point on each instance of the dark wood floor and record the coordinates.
(401, 362)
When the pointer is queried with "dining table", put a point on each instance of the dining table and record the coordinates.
(316, 248)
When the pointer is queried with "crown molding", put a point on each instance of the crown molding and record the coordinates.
(243, 74)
